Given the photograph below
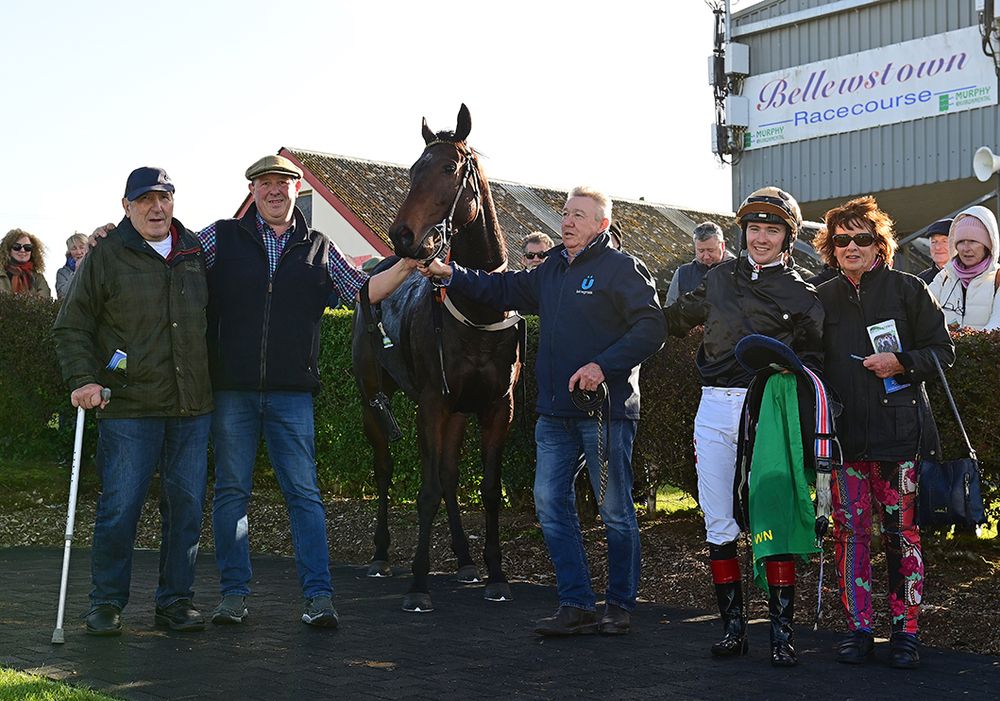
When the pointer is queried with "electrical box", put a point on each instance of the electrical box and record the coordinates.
(737, 111)
(737, 59)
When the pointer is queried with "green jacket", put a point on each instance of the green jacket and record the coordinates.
(126, 297)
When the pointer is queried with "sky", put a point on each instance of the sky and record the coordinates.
(612, 94)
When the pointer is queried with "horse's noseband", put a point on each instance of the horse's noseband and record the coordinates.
(446, 228)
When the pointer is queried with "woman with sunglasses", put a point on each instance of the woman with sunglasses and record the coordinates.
(966, 287)
(886, 422)
(22, 262)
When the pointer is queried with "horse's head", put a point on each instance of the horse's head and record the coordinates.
(444, 193)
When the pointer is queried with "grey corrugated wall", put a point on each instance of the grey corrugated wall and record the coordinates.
(919, 152)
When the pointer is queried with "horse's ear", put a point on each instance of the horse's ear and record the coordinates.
(426, 131)
(464, 124)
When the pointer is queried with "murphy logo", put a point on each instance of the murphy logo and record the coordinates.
(588, 282)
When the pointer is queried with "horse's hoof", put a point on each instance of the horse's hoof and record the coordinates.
(498, 591)
(379, 568)
(417, 602)
(468, 574)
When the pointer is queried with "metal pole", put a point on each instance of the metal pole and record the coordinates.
(74, 483)
(58, 637)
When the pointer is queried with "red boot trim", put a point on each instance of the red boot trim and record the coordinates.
(725, 571)
(781, 573)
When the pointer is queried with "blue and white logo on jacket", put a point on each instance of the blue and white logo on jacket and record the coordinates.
(586, 285)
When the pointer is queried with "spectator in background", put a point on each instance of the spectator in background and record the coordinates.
(22, 262)
(709, 251)
(966, 287)
(76, 249)
(938, 235)
(533, 249)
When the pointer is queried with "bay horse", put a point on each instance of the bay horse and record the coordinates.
(452, 356)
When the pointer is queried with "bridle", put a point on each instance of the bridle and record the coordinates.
(446, 228)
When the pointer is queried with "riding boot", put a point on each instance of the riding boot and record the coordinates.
(781, 607)
(729, 593)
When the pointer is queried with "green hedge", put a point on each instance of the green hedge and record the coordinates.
(31, 397)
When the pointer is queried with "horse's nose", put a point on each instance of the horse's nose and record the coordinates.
(402, 236)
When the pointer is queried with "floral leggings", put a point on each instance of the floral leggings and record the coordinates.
(894, 488)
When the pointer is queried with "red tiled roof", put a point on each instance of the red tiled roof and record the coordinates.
(373, 192)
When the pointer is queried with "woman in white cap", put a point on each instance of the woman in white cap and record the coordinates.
(966, 287)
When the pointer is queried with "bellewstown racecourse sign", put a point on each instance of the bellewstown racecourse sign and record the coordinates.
(921, 78)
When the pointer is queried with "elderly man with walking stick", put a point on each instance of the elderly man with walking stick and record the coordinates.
(135, 323)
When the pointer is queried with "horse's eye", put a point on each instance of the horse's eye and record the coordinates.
(450, 168)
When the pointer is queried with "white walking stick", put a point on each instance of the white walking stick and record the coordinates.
(74, 483)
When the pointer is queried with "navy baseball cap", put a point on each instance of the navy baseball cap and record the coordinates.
(757, 352)
(938, 228)
(147, 179)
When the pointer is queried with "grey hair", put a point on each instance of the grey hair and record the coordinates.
(707, 230)
(76, 238)
(602, 200)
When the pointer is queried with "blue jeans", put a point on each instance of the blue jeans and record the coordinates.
(129, 451)
(286, 421)
(560, 442)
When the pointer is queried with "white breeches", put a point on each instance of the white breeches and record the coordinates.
(716, 430)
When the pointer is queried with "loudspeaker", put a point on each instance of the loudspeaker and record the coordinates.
(985, 163)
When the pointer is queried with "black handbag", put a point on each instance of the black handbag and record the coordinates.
(949, 492)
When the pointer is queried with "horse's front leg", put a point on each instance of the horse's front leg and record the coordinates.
(450, 454)
(494, 426)
(431, 427)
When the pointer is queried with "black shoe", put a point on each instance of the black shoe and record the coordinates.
(615, 621)
(904, 651)
(180, 615)
(856, 647)
(568, 620)
(781, 606)
(734, 639)
(105, 620)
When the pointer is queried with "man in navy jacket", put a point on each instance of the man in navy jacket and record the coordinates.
(599, 319)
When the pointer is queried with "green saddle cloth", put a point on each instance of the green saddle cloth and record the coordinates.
(782, 516)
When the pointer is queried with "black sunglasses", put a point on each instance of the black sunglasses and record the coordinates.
(22, 247)
(862, 240)
(532, 256)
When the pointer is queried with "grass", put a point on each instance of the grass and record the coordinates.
(18, 686)
(671, 500)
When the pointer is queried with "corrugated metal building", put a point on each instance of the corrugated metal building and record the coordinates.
(919, 170)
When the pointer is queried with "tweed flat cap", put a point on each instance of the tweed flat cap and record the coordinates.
(273, 164)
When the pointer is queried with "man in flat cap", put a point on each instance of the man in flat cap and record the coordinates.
(135, 324)
(269, 278)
